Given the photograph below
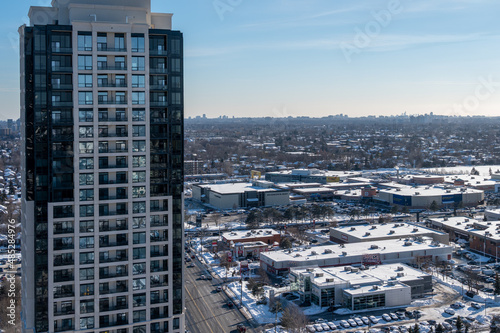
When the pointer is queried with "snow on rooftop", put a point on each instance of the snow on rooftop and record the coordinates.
(249, 234)
(367, 231)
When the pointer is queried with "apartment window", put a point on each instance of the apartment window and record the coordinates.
(138, 81)
(86, 210)
(86, 115)
(139, 222)
(121, 97)
(138, 64)
(176, 98)
(86, 131)
(102, 80)
(137, 43)
(139, 284)
(86, 258)
(86, 179)
(102, 114)
(176, 81)
(139, 238)
(86, 195)
(138, 130)
(87, 289)
(120, 81)
(102, 41)
(86, 226)
(139, 253)
(84, 81)
(139, 316)
(86, 323)
(139, 161)
(154, 205)
(87, 306)
(139, 207)
(86, 163)
(175, 65)
(85, 98)
(120, 42)
(175, 46)
(138, 97)
(86, 242)
(139, 300)
(84, 62)
(138, 176)
(120, 63)
(138, 146)
(86, 147)
(138, 115)
(84, 41)
(86, 274)
(102, 62)
(138, 192)
(102, 97)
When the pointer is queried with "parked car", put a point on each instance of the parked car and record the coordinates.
(457, 305)
(432, 322)
(230, 304)
(310, 328)
(332, 326)
(318, 327)
(450, 311)
(393, 316)
(475, 305)
(386, 317)
(373, 319)
(365, 320)
(325, 327)
(401, 315)
(352, 322)
(344, 323)
(219, 288)
(447, 326)
(358, 321)
(403, 329)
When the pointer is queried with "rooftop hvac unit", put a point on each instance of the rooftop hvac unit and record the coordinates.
(330, 279)
(357, 286)
(408, 243)
(249, 234)
(298, 255)
(459, 223)
(328, 251)
(344, 253)
(401, 274)
(309, 269)
(374, 246)
(488, 223)
(373, 227)
(367, 234)
(354, 269)
(347, 268)
(314, 253)
(394, 277)
(391, 232)
(398, 190)
(445, 219)
(352, 229)
(417, 193)
(375, 287)
(415, 229)
(391, 283)
(319, 275)
(448, 191)
(400, 268)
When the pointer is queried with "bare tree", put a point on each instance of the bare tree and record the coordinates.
(293, 318)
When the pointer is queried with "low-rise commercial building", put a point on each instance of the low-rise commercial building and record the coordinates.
(249, 249)
(241, 195)
(267, 236)
(378, 232)
(366, 288)
(422, 197)
(310, 176)
(365, 253)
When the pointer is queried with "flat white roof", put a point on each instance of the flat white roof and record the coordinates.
(428, 190)
(472, 226)
(249, 234)
(351, 250)
(235, 188)
(372, 289)
(366, 231)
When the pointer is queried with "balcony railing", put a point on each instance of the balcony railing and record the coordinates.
(111, 166)
(158, 87)
(62, 86)
(64, 278)
(112, 85)
(112, 308)
(105, 48)
(112, 101)
(111, 67)
(159, 254)
(62, 103)
(117, 197)
(64, 294)
(112, 275)
(110, 182)
(64, 231)
(65, 328)
(113, 135)
(112, 151)
(111, 244)
(104, 228)
(158, 70)
(56, 49)
(62, 69)
(64, 312)
(158, 103)
(115, 259)
(114, 290)
(63, 262)
(118, 212)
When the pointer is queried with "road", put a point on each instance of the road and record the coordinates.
(206, 309)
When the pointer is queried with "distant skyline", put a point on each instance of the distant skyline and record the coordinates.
(319, 57)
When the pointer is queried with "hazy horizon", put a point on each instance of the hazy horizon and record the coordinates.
(319, 58)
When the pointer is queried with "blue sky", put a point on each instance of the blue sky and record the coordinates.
(319, 57)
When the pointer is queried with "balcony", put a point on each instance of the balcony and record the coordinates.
(62, 69)
(63, 262)
(115, 259)
(64, 230)
(117, 197)
(113, 308)
(156, 270)
(62, 86)
(113, 135)
(112, 275)
(62, 103)
(111, 166)
(118, 212)
(64, 278)
(159, 254)
(62, 294)
(116, 290)
(158, 87)
(112, 244)
(62, 247)
(112, 84)
(158, 103)
(112, 151)
(110, 182)
(105, 228)
(64, 312)
(111, 101)
(105, 48)
(117, 119)
(158, 52)
(158, 70)
(64, 328)
(57, 49)
(105, 67)
(155, 284)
